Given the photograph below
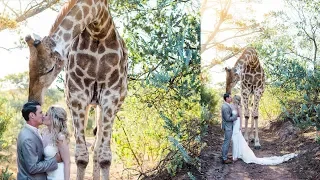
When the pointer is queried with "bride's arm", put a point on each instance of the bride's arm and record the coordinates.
(63, 147)
(240, 114)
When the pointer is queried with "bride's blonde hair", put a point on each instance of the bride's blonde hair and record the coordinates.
(237, 100)
(59, 122)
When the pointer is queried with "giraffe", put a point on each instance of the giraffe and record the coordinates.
(249, 72)
(84, 40)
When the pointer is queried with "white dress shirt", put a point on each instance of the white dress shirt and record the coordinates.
(34, 129)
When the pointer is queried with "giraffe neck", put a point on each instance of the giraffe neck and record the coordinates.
(238, 67)
(74, 18)
(248, 59)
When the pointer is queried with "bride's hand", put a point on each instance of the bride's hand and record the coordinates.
(58, 157)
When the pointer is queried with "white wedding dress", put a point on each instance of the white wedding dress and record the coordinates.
(49, 152)
(241, 150)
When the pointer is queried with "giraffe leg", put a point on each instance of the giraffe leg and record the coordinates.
(104, 150)
(96, 166)
(109, 110)
(251, 133)
(256, 137)
(246, 131)
(246, 112)
(255, 115)
(78, 112)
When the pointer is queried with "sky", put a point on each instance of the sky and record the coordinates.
(217, 73)
(16, 60)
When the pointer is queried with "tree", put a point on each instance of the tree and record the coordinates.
(289, 47)
(229, 24)
(16, 81)
(14, 12)
(164, 66)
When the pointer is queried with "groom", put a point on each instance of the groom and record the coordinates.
(227, 126)
(30, 157)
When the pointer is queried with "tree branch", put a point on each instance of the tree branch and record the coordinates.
(213, 44)
(133, 153)
(32, 11)
(9, 49)
(6, 5)
(215, 62)
(297, 54)
(223, 17)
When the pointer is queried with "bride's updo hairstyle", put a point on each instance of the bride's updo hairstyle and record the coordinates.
(237, 100)
(59, 122)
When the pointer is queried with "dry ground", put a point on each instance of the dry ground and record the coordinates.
(278, 138)
(116, 169)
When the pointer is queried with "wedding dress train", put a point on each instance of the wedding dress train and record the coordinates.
(241, 150)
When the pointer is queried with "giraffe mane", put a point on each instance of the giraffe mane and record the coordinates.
(65, 9)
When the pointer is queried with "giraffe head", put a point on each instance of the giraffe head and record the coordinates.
(232, 77)
(44, 66)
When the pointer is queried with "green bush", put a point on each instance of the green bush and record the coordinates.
(5, 174)
(6, 115)
(209, 103)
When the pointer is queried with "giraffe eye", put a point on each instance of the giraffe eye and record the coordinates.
(36, 43)
(50, 70)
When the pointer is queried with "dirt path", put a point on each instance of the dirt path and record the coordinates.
(277, 139)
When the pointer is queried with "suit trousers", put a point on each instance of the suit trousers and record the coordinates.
(226, 143)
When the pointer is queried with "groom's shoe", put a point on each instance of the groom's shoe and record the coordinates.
(228, 161)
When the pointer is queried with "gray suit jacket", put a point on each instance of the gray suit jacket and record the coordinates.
(227, 117)
(30, 157)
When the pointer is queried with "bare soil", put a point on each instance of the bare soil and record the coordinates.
(278, 138)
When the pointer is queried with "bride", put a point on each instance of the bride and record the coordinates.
(55, 139)
(240, 148)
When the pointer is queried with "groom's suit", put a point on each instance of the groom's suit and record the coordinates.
(30, 157)
(227, 126)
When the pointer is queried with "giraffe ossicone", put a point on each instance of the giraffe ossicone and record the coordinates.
(84, 40)
(249, 72)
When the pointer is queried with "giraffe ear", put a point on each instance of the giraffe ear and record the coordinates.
(227, 69)
(36, 37)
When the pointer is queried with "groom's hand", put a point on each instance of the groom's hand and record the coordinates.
(58, 157)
